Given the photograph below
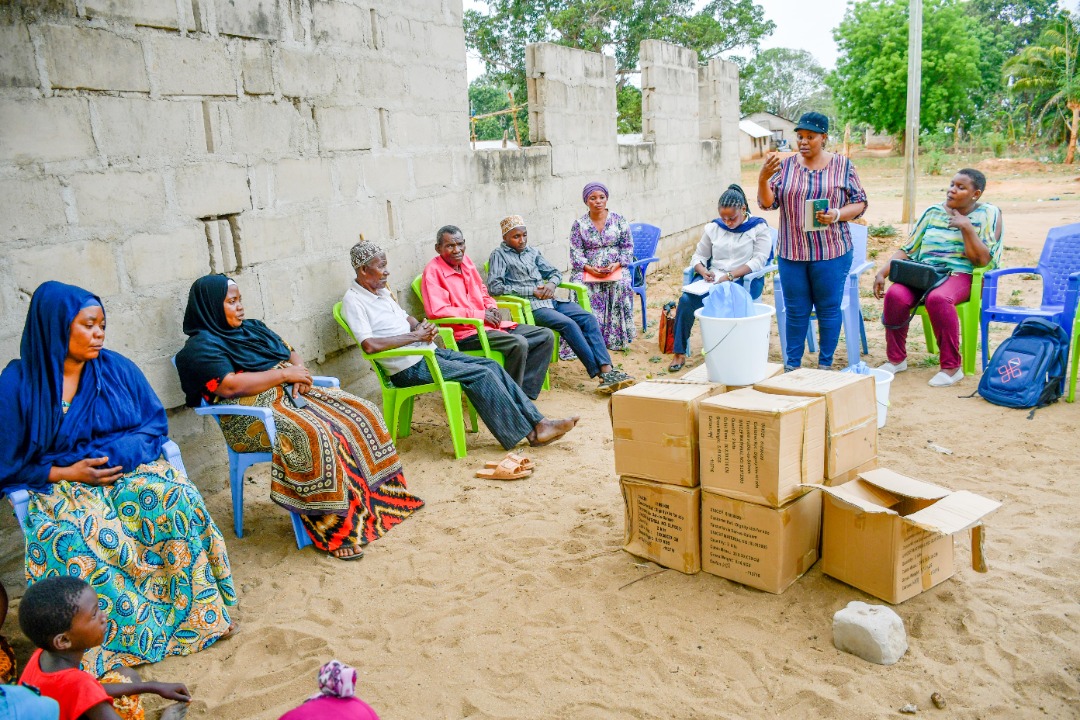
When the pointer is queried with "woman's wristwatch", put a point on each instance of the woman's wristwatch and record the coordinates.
(730, 277)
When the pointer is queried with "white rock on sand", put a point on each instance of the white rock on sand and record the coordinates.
(873, 632)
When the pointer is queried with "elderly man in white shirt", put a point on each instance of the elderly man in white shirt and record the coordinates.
(378, 323)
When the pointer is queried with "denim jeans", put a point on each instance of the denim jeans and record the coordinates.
(813, 285)
(581, 331)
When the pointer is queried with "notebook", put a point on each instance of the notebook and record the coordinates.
(810, 223)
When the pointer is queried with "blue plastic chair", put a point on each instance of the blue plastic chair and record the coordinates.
(240, 462)
(645, 239)
(850, 307)
(689, 274)
(1059, 267)
(19, 495)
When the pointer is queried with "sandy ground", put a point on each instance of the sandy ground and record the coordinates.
(514, 600)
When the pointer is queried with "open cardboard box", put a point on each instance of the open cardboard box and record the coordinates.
(892, 536)
(850, 416)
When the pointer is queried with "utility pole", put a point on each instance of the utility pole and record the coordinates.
(911, 131)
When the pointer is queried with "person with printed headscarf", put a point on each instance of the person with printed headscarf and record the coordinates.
(334, 463)
(336, 697)
(82, 430)
(600, 247)
(515, 268)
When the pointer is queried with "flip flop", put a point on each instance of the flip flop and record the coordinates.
(523, 463)
(675, 367)
(506, 469)
(359, 554)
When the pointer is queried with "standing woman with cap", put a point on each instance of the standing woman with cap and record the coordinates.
(600, 247)
(813, 263)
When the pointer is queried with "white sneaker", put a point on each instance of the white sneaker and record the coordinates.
(897, 368)
(944, 379)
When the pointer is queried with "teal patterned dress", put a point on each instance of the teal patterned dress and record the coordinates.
(149, 549)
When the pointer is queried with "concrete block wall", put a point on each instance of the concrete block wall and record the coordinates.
(144, 143)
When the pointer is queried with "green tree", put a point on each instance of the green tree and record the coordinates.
(500, 35)
(486, 97)
(784, 82)
(1047, 73)
(628, 99)
(870, 80)
(1006, 27)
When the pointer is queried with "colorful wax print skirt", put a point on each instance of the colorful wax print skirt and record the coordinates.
(334, 463)
(152, 553)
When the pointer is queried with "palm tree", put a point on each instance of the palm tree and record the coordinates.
(1047, 72)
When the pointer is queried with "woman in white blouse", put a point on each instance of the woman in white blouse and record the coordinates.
(733, 245)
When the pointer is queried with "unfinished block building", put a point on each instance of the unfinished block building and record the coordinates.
(144, 143)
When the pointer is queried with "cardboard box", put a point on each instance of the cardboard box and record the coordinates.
(700, 374)
(655, 429)
(663, 523)
(850, 415)
(763, 547)
(760, 447)
(892, 536)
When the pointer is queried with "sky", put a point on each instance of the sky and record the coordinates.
(805, 25)
(800, 24)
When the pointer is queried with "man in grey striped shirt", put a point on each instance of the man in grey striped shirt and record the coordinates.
(517, 269)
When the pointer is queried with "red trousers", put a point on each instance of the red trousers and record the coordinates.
(940, 306)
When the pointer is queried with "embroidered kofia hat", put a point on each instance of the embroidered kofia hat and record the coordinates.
(509, 223)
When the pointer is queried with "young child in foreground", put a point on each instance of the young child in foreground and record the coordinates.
(62, 618)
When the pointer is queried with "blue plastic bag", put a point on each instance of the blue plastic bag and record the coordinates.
(728, 300)
(860, 369)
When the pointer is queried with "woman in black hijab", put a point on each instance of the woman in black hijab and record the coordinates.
(334, 462)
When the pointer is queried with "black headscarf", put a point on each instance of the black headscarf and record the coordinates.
(214, 349)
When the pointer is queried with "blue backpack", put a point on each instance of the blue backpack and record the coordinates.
(1028, 369)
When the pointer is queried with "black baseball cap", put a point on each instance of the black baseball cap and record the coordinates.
(814, 122)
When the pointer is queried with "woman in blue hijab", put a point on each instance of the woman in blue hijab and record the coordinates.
(82, 429)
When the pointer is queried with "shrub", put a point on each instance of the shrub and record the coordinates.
(934, 162)
(882, 230)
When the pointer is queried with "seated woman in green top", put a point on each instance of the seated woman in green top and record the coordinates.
(960, 234)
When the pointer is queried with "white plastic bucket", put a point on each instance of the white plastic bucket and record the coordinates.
(737, 349)
(882, 379)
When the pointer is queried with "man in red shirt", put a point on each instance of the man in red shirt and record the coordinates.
(452, 287)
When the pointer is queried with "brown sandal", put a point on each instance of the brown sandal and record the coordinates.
(523, 463)
(507, 469)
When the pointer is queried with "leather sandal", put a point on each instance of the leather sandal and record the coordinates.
(523, 463)
(506, 469)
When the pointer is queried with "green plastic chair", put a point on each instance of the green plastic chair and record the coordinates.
(526, 307)
(517, 314)
(968, 312)
(1075, 361)
(398, 402)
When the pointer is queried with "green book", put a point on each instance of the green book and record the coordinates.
(813, 207)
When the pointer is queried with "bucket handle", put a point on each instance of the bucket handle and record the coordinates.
(719, 342)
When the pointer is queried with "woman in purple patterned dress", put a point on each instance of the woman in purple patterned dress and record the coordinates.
(601, 244)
